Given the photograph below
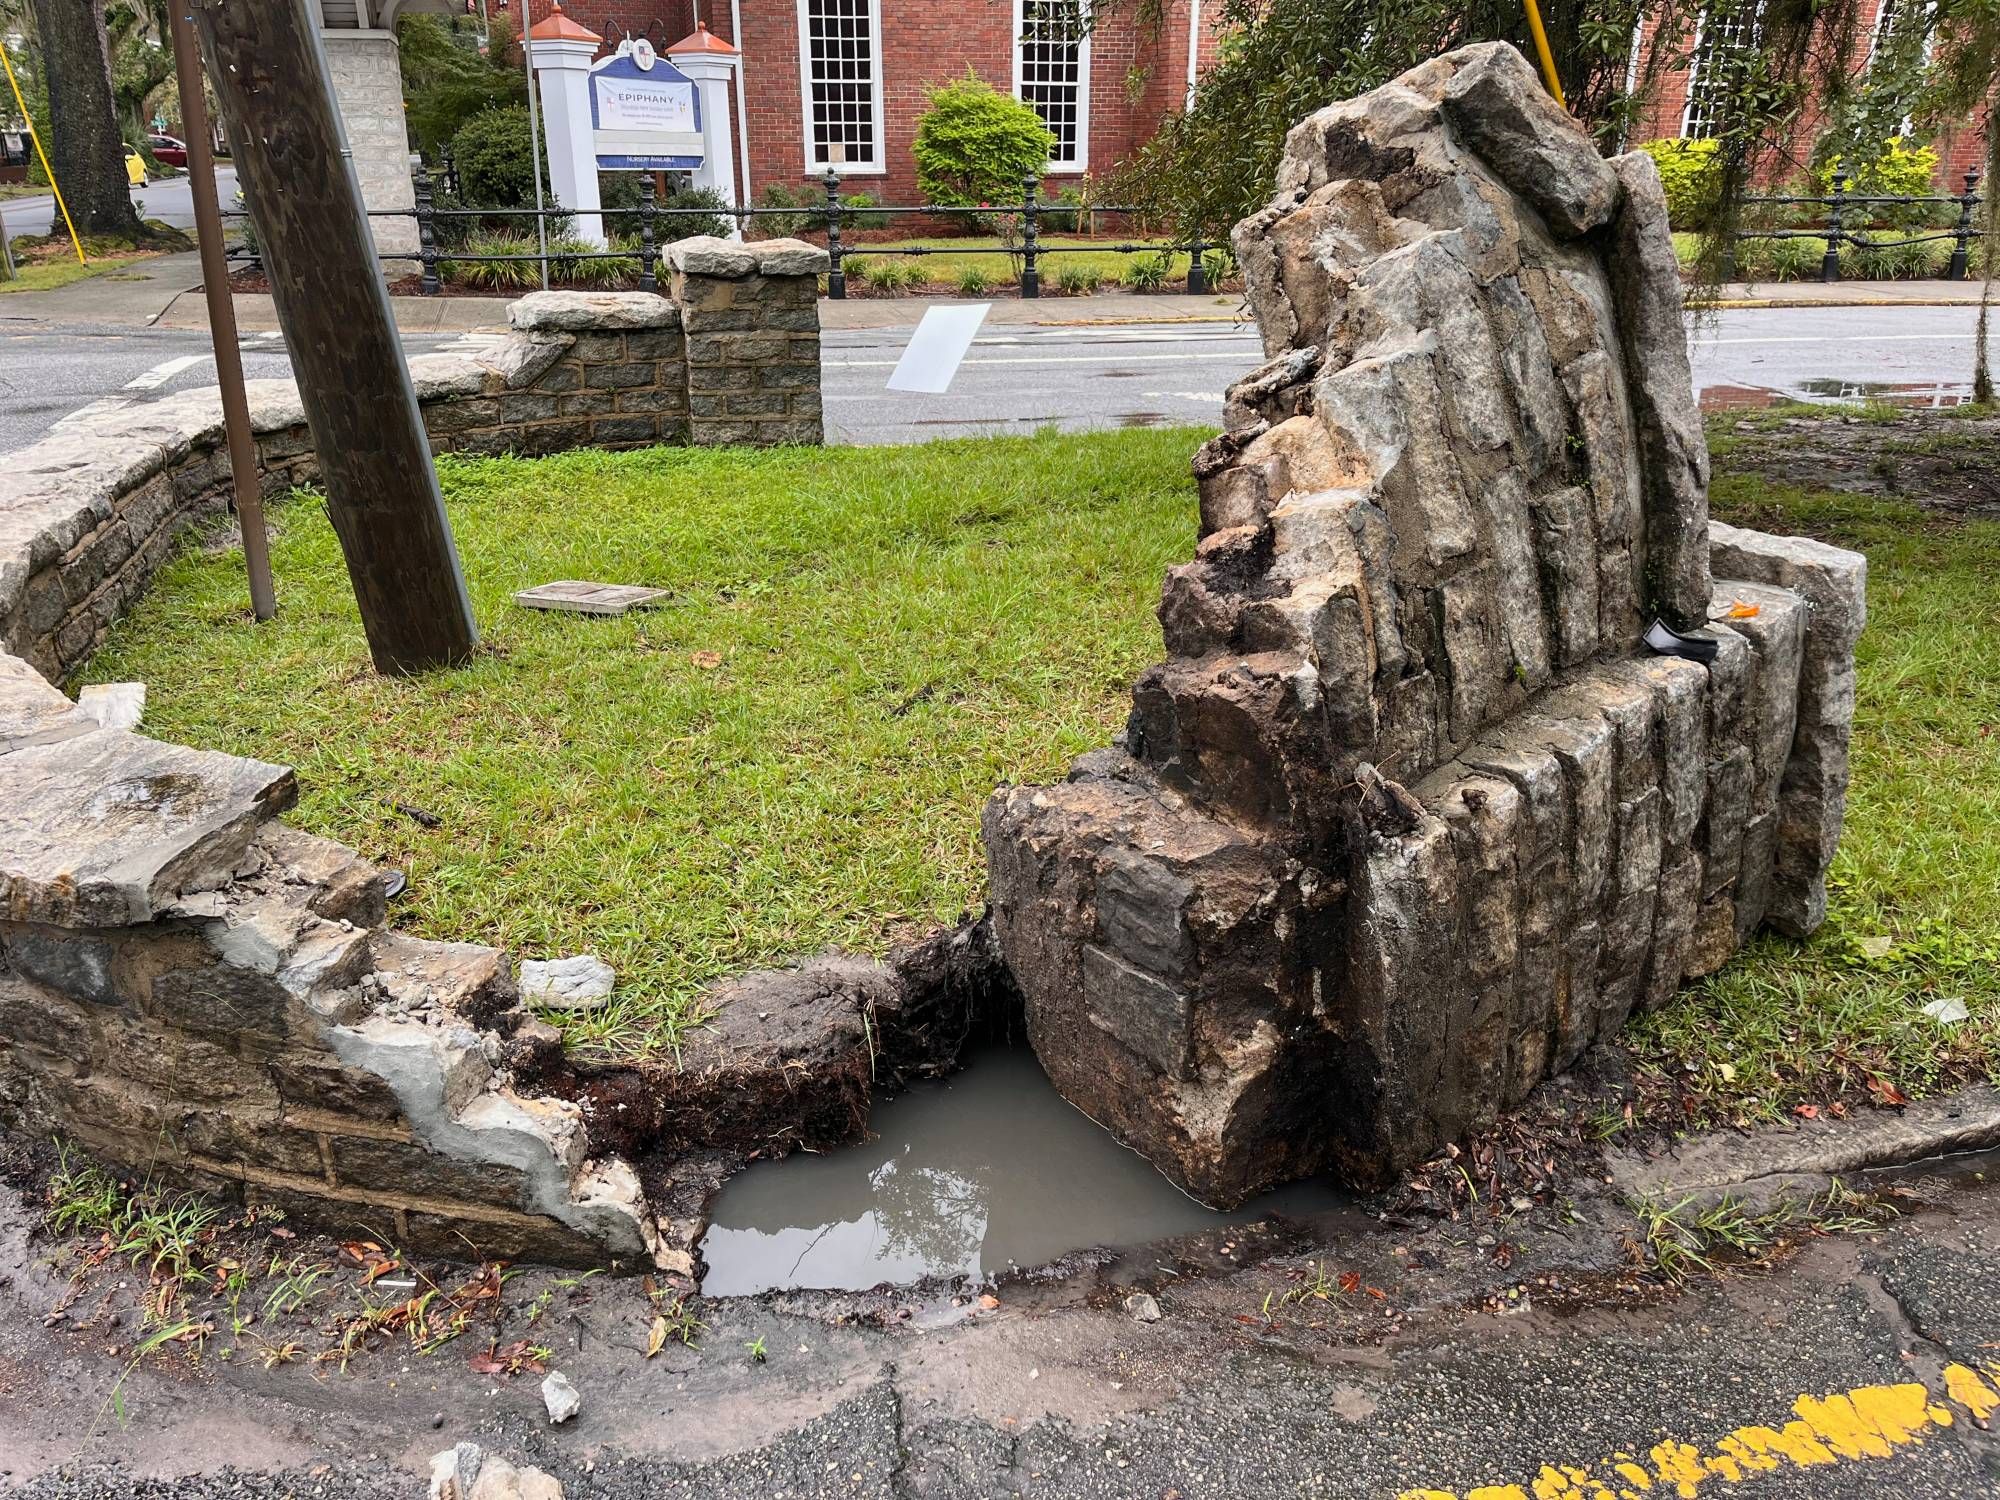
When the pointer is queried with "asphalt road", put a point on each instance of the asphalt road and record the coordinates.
(1016, 379)
(1852, 1370)
(169, 200)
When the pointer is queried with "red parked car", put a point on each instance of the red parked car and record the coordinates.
(168, 151)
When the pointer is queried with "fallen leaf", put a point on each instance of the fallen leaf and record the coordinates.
(1727, 1070)
(708, 661)
(657, 1339)
(1887, 1094)
(1740, 611)
(1946, 1008)
(1807, 1111)
(1879, 946)
(1377, 1293)
(1350, 1281)
(988, 1301)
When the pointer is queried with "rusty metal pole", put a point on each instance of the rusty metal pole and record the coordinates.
(222, 315)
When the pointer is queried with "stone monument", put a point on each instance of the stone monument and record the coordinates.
(1411, 815)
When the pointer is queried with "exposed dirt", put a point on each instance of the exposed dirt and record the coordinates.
(1946, 463)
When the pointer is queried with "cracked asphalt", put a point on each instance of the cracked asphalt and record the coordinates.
(1588, 1376)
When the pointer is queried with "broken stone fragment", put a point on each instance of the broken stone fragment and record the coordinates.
(114, 705)
(464, 1473)
(581, 982)
(560, 1397)
(1143, 1307)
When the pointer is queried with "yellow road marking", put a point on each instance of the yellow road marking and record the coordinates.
(1866, 1424)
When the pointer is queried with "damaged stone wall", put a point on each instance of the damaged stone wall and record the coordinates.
(88, 514)
(189, 988)
(1409, 817)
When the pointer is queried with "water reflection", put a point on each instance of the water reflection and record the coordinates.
(989, 1170)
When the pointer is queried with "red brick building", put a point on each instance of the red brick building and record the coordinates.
(1683, 107)
(842, 82)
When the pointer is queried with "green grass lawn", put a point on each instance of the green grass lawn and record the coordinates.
(1915, 908)
(949, 258)
(899, 630)
(47, 275)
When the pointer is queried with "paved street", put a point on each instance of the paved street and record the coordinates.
(170, 200)
(1018, 378)
(1853, 1370)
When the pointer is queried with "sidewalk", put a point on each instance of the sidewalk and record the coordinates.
(165, 293)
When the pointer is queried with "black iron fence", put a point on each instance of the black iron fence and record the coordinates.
(1843, 208)
(1018, 229)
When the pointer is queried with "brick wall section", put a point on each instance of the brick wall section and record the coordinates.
(98, 504)
(924, 44)
(751, 313)
(1959, 151)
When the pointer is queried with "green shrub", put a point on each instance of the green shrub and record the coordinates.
(496, 165)
(974, 282)
(1901, 170)
(713, 218)
(1690, 171)
(446, 81)
(803, 210)
(975, 146)
(1149, 273)
(579, 263)
(888, 275)
(1218, 266)
(1075, 279)
(1070, 218)
(502, 275)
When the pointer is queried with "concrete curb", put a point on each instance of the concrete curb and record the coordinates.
(1804, 1158)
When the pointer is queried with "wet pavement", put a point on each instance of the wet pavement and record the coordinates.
(1461, 1359)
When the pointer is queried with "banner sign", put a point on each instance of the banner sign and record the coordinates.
(644, 113)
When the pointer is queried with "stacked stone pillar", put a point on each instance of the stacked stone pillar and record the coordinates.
(1411, 815)
(751, 315)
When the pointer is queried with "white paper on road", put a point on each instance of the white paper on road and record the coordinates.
(937, 347)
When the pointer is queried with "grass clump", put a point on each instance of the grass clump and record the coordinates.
(1914, 911)
(859, 646)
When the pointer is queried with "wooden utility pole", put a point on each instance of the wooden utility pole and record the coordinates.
(222, 316)
(374, 460)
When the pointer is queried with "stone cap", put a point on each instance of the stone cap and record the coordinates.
(107, 828)
(708, 255)
(591, 312)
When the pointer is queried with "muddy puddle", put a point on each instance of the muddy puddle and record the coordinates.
(986, 1172)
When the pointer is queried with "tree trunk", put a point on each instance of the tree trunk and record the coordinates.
(86, 150)
(374, 458)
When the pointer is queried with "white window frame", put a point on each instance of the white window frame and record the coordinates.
(1885, 18)
(880, 164)
(1756, 8)
(1081, 164)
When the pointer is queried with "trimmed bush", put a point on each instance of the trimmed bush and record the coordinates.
(1691, 173)
(975, 145)
(974, 282)
(888, 275)
(1149, 274)
(1078, 280)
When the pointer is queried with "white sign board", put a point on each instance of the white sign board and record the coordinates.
(644, 114)
(937, 347)
(645, 104)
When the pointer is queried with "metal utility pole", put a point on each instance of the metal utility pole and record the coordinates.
(374, 459)
(222, 316)
(535, 132)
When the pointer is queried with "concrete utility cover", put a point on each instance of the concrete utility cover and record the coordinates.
(589, 598)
